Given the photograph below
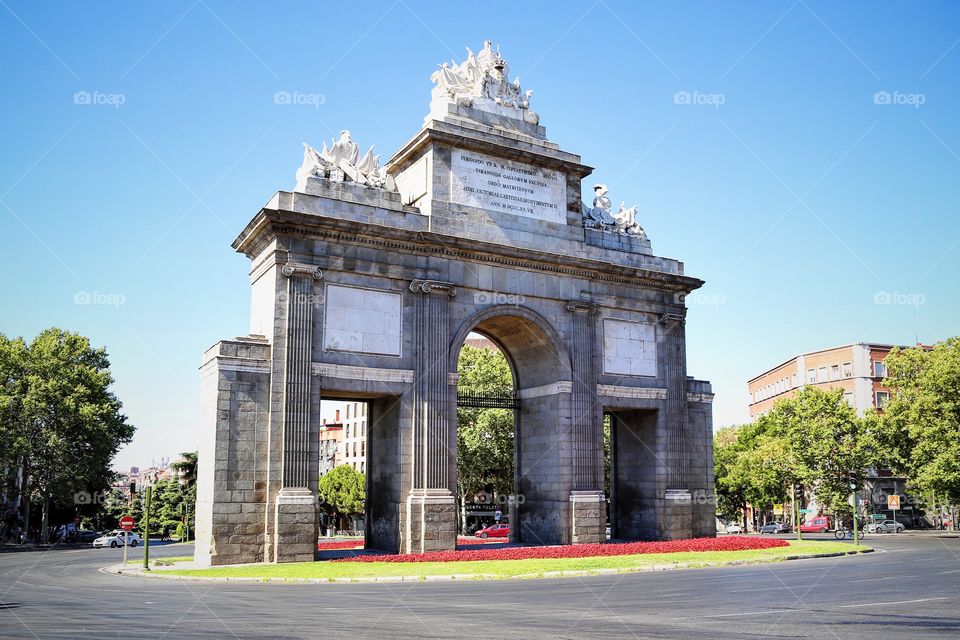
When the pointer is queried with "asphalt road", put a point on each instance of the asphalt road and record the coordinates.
(909, 589)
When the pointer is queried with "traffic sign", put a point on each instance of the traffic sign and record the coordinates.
(893, 502)
(127, 523)
(778, 509)
(806, 510)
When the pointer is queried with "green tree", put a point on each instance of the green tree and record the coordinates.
(920, 427)
(485, 437)
(71, 421)
(342, 492)
(827, 442)
(187, 467)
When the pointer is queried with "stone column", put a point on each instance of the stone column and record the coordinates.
(677, 512)
(430, 506)
(587, 504)
(295, 523)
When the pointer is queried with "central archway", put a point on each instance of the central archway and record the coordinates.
(541, 372)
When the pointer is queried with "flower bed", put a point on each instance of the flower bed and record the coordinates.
(332, 545)
(727, 543)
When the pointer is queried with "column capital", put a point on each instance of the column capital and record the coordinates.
(298, 269)
(582, 306)
(672, 318)
(433, 286)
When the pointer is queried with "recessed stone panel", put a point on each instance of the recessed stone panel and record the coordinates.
(629, 348)
(362, 320)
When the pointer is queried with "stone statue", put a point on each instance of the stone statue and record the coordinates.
(600, 215)
(482, 81)
(340, 162)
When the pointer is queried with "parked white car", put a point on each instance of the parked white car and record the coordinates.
(887, 526)
(117, 538)
(733, 527)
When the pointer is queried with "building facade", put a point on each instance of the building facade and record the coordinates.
(859, 369)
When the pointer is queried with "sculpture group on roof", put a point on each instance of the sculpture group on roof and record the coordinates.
(483, 77)
(341, 162)
(601, 216)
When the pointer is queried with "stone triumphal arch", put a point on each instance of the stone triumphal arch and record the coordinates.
(365, 282)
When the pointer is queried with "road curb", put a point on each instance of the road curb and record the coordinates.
(160, 575)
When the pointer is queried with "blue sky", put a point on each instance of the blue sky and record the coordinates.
(801, 157)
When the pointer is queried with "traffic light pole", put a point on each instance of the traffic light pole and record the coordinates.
(797, 499)
(146, 529)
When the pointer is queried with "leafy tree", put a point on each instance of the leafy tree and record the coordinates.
(342, 492)
(731, 486)
(187, 468)
(70, 423)
(920, 427)
(485, 437)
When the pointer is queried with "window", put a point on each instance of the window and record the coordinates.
(834, 372)
(847, 370)
(363, 449)
(880, 369)
(811, 376)
(354, 449)
(362, 465)
(883, 397)
(796, 380)
(348, 412)
(822, 374)
(355, 414)
(363, 428)
(848, 396)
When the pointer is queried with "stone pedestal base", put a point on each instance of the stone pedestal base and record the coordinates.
(431, 521)
(295, 526)
(588, 516)
(677, 515)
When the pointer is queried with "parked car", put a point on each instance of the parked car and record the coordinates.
(887, 526)
(117, 538)
(774, 527)
(733, 527)
(819, 524)
(494, 531)
(85, 536)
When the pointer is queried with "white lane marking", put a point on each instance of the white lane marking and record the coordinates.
(746, 613)
(881, 604)
(885, 578)
(946, 572)
(790, 586)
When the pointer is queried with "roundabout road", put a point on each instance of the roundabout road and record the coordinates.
(909, 589)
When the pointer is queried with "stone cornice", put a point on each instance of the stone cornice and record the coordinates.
(418, 242)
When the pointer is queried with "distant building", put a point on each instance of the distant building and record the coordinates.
(331, 439)
(859, 369)
(354, 445)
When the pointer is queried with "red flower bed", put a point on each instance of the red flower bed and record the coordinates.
(727, 543)
(340, 544)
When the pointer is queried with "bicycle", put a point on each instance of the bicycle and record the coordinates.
(842, 533)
